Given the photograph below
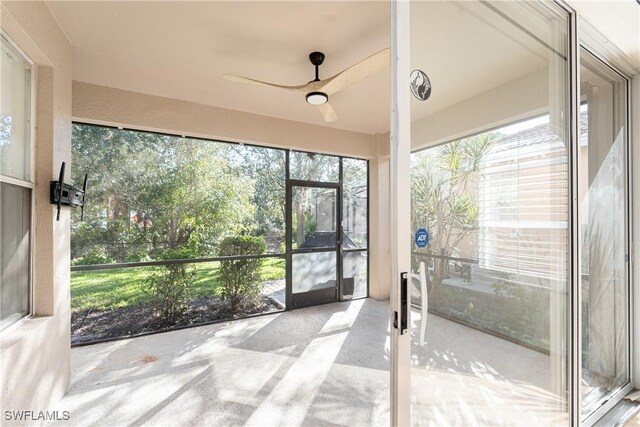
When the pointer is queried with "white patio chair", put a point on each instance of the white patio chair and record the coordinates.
(424, 298)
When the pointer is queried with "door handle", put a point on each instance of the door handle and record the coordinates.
(404, 305)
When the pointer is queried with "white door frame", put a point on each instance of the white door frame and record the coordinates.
(400, 210)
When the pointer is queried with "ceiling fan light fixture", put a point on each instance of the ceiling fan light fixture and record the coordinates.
(317, 98)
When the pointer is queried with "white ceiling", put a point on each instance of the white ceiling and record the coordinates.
(181, 49)
(617, 20)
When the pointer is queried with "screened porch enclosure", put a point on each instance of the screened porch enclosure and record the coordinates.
(175, 221)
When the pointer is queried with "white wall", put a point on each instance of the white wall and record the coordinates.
(515, 100)
(34, 355)
(116, 107)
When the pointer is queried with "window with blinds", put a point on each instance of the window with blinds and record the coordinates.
(522, 202)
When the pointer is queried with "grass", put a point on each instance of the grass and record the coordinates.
(123, 287)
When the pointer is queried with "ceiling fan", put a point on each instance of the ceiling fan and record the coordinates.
(317, 91)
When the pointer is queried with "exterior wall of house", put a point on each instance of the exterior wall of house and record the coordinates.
(35, 353)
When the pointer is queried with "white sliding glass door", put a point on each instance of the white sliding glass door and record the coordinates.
(487, 137)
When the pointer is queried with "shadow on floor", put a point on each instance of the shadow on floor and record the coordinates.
(324, 365)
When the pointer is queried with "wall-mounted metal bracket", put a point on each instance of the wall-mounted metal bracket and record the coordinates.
(62, 194)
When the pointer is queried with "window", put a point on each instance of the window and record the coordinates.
(604, 250)
(16, 185)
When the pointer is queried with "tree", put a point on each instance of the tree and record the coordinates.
(444, 183)
(266, 168)
(149, 193)
(110, 158)
(192, 198)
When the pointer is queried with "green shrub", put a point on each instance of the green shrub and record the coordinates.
(97, 255)
(310, 227)
(169, 291)
(137, 255)
(241, 279)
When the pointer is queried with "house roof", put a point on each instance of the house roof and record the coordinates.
(537, 136)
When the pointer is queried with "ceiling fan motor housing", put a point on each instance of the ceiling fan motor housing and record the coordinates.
(316, 58)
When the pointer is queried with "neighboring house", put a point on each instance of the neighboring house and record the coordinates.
(522, 201)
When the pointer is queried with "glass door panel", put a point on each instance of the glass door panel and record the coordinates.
(490, 187)
(604, 264)
(313, 271)
(355, 268)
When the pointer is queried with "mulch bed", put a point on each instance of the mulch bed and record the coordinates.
(95, 325)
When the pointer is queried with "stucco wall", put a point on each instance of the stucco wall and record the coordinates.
(116, 107)
(34, 354)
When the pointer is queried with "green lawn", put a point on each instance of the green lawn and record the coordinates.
(105, 289)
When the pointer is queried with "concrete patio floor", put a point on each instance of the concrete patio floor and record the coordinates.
(325, 365)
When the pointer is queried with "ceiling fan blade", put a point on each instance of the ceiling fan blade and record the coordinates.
(328, 113)
(355, 73)
(240, 79)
